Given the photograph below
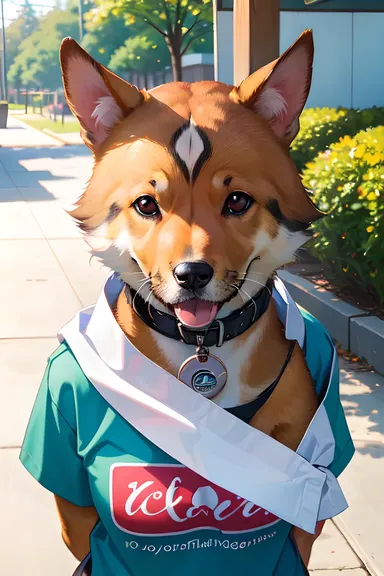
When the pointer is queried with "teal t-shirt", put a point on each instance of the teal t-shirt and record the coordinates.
(156, 516)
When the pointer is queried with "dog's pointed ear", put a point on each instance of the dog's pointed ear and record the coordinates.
(97, 97)
(278, 91)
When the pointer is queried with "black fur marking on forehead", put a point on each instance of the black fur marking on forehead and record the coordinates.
(291, 225)
(181, 163)
(204, 156)
(190, 151)
(114, 211)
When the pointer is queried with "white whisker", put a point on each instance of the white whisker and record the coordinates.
(134, 273)
(250, 297)
(148, 298)
(258, 283)
(125, 275)
(144, 279)
(238, 290)
(137, 293)
(251, 274)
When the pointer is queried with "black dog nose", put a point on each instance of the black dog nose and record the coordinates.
(193, 275)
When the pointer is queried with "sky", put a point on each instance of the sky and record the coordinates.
(11, 8)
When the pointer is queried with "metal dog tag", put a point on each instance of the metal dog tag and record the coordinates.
(204, 373)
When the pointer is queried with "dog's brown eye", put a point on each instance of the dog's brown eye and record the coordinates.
(237, 203)
(147, 206)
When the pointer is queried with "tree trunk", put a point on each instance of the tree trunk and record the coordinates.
(176, 67)
(175, 51)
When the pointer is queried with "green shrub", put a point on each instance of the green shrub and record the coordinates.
(348, 183)
(321, 127)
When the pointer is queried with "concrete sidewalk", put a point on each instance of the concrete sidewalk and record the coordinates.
(46, 279)
(17, 134)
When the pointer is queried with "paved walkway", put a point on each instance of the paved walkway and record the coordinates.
(46, 278)
(18, 134)
(66, 138)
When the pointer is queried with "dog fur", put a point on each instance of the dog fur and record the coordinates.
(189, 147)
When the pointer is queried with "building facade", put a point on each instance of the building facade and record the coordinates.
(349, 48)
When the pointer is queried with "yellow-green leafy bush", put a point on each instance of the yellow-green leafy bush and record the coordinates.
(321, 127)
(348, 183)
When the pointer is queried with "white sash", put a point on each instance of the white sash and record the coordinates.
(193, 430)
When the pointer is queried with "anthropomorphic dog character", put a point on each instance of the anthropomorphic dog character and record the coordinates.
(194, 202)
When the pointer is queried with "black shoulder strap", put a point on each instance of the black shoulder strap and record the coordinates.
(245, 412)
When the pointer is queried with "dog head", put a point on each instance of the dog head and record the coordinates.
(194, 199)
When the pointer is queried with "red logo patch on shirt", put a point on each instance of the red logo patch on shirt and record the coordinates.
(161, 499)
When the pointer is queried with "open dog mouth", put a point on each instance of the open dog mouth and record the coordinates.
(196, 313)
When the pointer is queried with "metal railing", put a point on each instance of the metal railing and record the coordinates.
(49, 104)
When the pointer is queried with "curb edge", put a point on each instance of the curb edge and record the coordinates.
(311, 298)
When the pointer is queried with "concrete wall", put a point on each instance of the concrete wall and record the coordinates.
(224, 50)
(368, 68)
(196, 67)
(198, 72)
(332, 77)
(349, 67)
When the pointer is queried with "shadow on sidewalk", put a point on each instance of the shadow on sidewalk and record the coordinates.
(59, 152)
(18, 177)
(363, 400)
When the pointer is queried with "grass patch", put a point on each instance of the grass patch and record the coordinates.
(16, 106)
(56, 127)
(21, 108)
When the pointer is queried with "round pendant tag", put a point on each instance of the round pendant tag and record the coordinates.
(205, 374)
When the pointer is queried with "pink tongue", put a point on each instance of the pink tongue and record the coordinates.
(196, 313)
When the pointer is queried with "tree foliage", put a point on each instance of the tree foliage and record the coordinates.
(181, 23)
(22, 27)
(36, 64)
(140, 36)
(140, 54)
(103, 39)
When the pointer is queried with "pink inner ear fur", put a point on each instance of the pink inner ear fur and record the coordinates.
(97, 109)
(285, 93)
